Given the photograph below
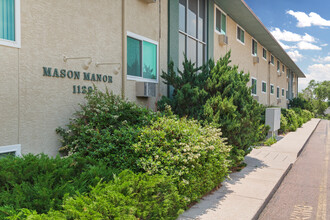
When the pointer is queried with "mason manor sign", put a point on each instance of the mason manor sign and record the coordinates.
(76, 75)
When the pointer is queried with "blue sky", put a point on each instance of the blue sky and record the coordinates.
(303, 29)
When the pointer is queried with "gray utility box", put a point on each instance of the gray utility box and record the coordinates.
(273, 119)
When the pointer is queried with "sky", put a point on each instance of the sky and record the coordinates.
(302, 27)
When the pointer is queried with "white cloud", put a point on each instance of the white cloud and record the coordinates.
(286, 47)
(295, 55)
(290, 36)
(307, 20)
(318, 72)
(322, 60)
(324, 45)
(307, 46)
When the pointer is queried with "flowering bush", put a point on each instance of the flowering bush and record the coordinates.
(196, 156)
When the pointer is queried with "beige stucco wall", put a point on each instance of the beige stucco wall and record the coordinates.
(33, 105)
(241, 55)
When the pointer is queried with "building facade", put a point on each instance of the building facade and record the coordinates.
(53, 52)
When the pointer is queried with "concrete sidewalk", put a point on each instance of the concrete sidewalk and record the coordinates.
(244, 194)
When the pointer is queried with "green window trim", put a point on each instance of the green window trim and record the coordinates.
(264, 87)
(221, 21)
(254, 48)
(142, 58)
(254, 86)
(272, 89)
(264, 53)
(240, 35)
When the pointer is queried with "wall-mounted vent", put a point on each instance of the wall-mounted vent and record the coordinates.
(145, 89)
(255, 59)
(223, 39)
(150, 1)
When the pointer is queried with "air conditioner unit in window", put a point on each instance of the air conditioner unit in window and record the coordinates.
(150, 1)
(223, 39)
(279, 73)
(279, 101)
(255, 59)
(145, 89)
(255, 97)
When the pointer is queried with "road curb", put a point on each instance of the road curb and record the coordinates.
(271, 194)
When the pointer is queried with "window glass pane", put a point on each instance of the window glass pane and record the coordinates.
(133, 57)
(191, 49)
(218, 21)
(201, 54)
(242, 36)
(282, 92)
(254, 86)
(201, 19)
(182, 15)
(238, 33)
(149, 60)
(182, 49)
(278, 92)
(264, 88)
(7, 19)
(223, 24)
(192, 17)
(7, 154)
(264, 53)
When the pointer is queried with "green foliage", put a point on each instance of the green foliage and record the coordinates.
(270, 141)
(232, 107)
(284, 128)
(105, 128)
(189, 94)
(182, 148)
(128, 196)
(318, 94)
(291, 118)
(301, 102)
(40, 183)
(218, 94)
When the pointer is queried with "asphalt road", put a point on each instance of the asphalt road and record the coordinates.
(305, 191)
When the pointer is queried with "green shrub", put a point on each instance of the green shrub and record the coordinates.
(182, 148)
(105, 128)
(232, 107)
(284, 128)
(128, 196)
(218, 94)
(292, 119)
(39, 182)
(270, 141)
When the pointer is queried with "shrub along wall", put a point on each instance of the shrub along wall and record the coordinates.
(175, 162)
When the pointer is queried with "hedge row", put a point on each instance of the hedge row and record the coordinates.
(291, 119)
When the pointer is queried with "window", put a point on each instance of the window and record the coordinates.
(142, 56)
(278, 66)
(287, 94)
(254, 86)
(221, 22)
(271, 89)
(272, 59)
(278, 92)
(254, 48)
(283, 68)
(192, 26)
(264, 87)
(240, 34)
(10, 23)
(264, 53)
(14, 150)
(282, 92)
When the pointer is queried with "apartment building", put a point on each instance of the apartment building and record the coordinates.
(53, 52)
